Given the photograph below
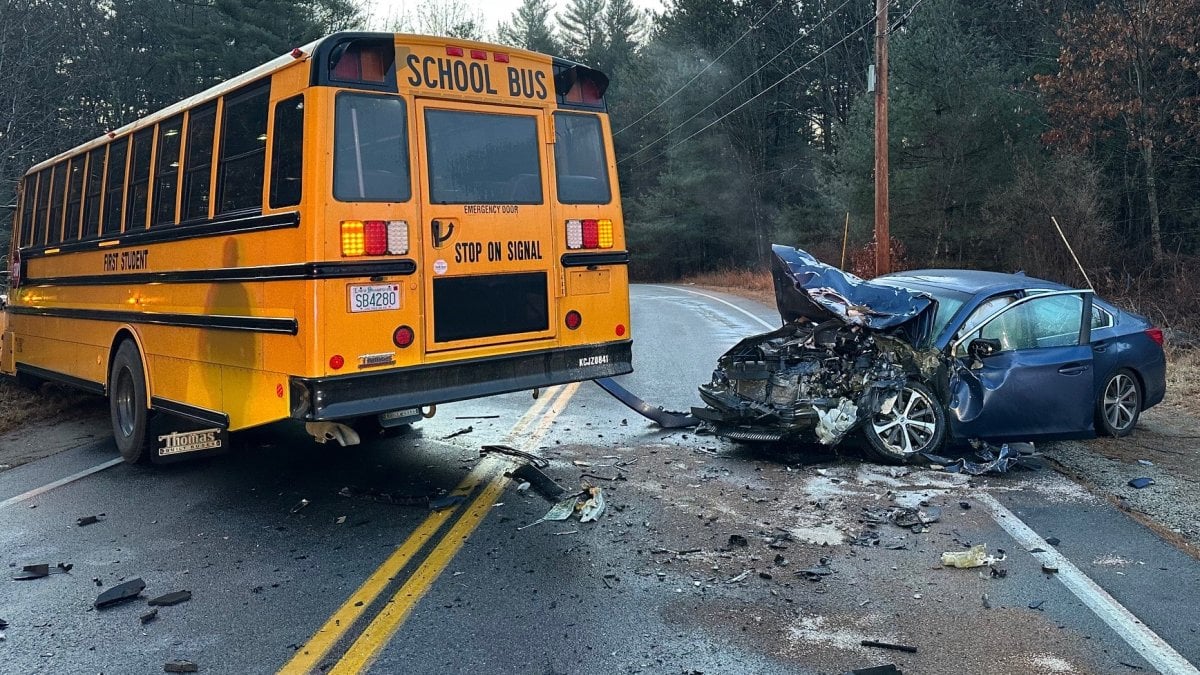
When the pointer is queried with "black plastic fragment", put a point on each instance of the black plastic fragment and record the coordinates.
(120, 593)
(87, 520)
(180, 666)
(889, 645)
(536, 460)
(35, 571)
(1053, 541)
(171, 599)
(149, 616)
(738, 540)
(1142, 482)
(1037, 604)
(541, 483)
(3, 624)
(664, 418)
(889, 669)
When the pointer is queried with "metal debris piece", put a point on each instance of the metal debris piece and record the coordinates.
(180, 666)
(1049, 569)
(964, 505)
(738, 540)
(992, 460)
(1140, 483)
(560, 511)
(593, 508)
(171, 599)
(460, 432)
(1037, 604)
(149, 616)
(446, 501)
(120, 593)
(477, 417)
(541, 483)
(889, 645)
(740, 577)
(3, 624)
(1053, 541)
(909, 517)
(975, 557)
(35, 571)
(888, 669)
(536, 460)
(88, 520)
(666, 419)
(816, 573)
(299, 505)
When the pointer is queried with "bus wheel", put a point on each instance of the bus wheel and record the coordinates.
(127, 403)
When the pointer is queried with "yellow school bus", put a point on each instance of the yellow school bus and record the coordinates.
(367, 226)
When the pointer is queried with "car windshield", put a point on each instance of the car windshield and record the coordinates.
(948, 304)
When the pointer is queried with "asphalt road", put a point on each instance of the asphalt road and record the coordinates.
(378, 581)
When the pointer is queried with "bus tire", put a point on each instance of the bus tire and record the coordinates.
(128, 403)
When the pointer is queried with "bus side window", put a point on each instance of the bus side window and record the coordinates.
(139, 181)
(43, 206)
(29, 195)
(57, 193)
(92, 191)
(197, 163)
(114, 186)
(74, 199)
(243, 151)
(287, 152)
(167, 171)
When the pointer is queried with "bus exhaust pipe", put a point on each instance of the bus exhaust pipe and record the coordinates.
(323, 432)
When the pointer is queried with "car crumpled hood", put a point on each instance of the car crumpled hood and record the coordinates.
(808, 288)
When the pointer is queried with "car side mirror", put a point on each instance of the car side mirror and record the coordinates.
(981, 348)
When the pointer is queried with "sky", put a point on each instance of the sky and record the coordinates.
(492, 11)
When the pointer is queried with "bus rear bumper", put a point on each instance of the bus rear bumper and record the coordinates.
(347, 396)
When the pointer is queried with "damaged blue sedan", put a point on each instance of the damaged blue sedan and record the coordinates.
(916, 359)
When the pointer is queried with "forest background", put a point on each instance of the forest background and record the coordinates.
(742, 123)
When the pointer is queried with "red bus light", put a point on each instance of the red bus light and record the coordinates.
(479, 55)
(620, 330)
(454, 51)
(591, 234)
(336, 362)
(375, 239)
(574, 319)
(500, 57)
(403, 337)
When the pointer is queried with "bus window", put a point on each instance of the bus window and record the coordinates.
(92, 190)
(114, 186)
(139, 181)
(482, 158)
(167, 170)
(74, 199)
(54, 231)
(197, 164)
(287, 152)
(579, 165)
(28, 195)
(370, 149)
(243, 151)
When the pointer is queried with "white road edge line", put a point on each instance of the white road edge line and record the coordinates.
(1144, 641)
(713, 297)
(60, 482)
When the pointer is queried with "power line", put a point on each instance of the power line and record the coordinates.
(712, 63)
(734, 88)
(752, 98)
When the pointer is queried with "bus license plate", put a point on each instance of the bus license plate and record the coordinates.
(374, 298)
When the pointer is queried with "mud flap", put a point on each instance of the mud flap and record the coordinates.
(174, 438)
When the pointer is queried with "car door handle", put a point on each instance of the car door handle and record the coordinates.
(1073, 368)
(1100, 347)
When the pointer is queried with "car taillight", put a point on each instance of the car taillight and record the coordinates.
(353, 243)
(1155, 334)
(374, 237)
(589, 233)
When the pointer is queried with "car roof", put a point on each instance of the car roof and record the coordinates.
(968, 281)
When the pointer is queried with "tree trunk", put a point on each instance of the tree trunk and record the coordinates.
(1156, 247)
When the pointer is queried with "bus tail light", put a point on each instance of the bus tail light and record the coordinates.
(589, 233)
(375, 239)
(574, 319)
(397, 237)
(403, 337)
(353, 243)
(336, 362)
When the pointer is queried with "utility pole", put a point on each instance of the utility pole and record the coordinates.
(883, 242)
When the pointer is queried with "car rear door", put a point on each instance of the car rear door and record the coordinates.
(485, 210)
(1040, 384)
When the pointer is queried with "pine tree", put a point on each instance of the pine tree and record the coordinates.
(530, 28)
(581, 29)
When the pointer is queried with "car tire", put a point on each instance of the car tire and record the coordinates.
(1119, 404)
(127, 404)
(916, 423)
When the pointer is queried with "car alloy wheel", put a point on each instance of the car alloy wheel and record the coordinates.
(910, 426)
(1120, 404)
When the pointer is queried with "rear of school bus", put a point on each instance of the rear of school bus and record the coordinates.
(478, 186)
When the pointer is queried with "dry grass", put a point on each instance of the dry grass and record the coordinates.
(752, 284)
(20, 405)
(1183, 380)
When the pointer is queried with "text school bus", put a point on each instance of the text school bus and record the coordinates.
(371, 224)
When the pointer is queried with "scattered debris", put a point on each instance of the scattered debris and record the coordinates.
(541, 483)
(888, 645)
(560, 511)
(740, 577)
(909, 517)
(171, 599)
(987, 604)
(888, 669)
(299, 505)
(339, 520)
(446, 501)
(1053, 541)
(64, 567)
(1037, 604)
(991, 460)
(89, 520)
(35, 571)
(664, 418)
(738, 540)
(120, 593)
(580, 462)
(964, 505)
(477, 417)
(1049, 569)
(180, 666)
(371, 494)
(1140, 483)
(975, 557)
(593, 508)
(3, 624)
(820, 571)
(460, 432)
(536, 460)
(149, 616)
(1145, 462)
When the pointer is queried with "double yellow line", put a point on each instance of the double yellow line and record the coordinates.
(489, 472)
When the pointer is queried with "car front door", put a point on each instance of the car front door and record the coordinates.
(1037, 383)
